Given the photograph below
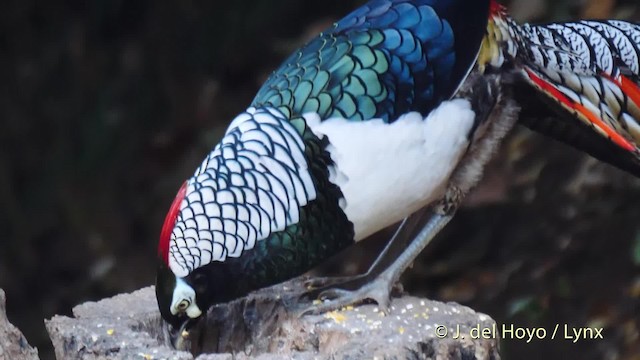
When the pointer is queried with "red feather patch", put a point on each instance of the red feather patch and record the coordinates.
(552, 91)
(496, 9)
(169, 223)
(630, 88)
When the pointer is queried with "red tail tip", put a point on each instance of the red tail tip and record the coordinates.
(169, 223)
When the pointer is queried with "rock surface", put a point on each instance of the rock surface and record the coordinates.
(13, 345)
(265, 326)
(126, 326)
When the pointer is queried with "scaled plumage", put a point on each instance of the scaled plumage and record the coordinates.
(587, 70)
(266, 204)
(389, 114)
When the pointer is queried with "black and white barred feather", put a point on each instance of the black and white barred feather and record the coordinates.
(251, 185)
(591, 68)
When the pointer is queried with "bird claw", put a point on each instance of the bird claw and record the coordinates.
(317, 283)
(324, 287)
(333, 299)
(333, 294)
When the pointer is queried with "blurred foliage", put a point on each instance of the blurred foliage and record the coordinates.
(107, 106)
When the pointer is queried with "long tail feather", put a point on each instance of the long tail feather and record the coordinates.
(589, 69)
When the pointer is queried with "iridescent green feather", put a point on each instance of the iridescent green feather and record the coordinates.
(334, 76)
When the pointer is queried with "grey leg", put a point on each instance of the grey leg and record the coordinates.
(497, 116)
(380, 288)
(391, 250)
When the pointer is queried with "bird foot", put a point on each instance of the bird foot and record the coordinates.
(378, 290)
(316, 285)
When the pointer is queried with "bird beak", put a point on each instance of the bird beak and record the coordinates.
(180, 336)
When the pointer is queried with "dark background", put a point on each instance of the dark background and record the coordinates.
(107, 106)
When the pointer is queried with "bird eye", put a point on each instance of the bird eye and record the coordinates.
(183, 305)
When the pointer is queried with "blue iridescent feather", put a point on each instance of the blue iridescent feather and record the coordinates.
(386, 58)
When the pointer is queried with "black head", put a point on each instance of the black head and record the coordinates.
(188, 298)
(165, 286)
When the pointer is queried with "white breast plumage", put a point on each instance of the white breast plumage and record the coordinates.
(388, 171)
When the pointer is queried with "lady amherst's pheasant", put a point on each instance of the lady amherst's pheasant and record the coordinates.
(390, 114)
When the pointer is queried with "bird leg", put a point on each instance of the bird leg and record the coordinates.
(394, 247)
(497, 113)
(379, 289)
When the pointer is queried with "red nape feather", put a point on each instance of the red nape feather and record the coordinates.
(496, 8)
(169, 223)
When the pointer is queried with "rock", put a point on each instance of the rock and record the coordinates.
(265, 326)
(13, 345)
(126, 326)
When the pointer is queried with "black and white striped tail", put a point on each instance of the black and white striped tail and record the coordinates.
(589, 70)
